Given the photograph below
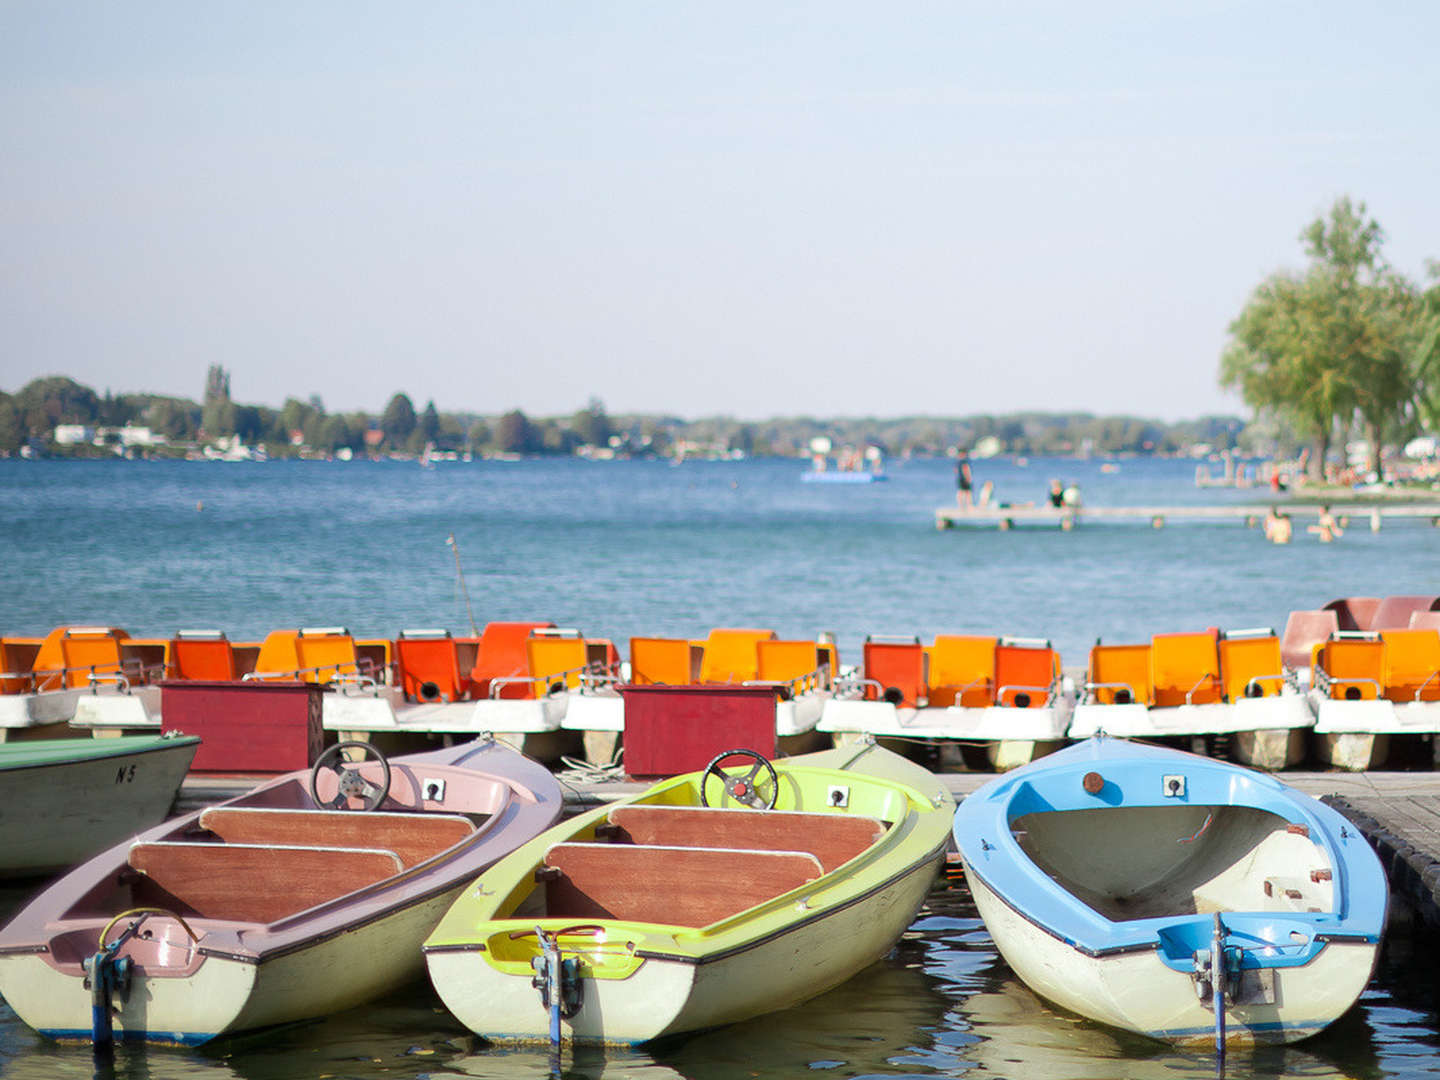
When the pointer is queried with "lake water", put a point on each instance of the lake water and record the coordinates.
(629, 548)
(620, 549)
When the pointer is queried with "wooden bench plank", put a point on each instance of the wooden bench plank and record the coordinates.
(674, 886)
(257, 882)
(833, 839)
(414, 837)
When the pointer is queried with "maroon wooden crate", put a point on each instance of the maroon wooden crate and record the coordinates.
(246, 727)
(678, 729)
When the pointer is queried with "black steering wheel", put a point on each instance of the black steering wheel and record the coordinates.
(743, 788)
(351, 783)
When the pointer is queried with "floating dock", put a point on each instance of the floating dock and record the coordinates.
(1347, 514)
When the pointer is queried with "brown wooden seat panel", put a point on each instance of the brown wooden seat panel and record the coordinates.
(257, 882)
(833, 839)
(413, 837)
(674, 886)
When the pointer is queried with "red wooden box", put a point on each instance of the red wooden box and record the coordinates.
(246, 727)
(678, 729)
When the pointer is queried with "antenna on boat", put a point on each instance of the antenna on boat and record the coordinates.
(460, 573)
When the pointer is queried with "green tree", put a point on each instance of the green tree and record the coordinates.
(398, 420)
(217, 415)
(429, 423)
(12, 434)
(513, 433)
(1333, 343)
(591, 425)
(55, 399)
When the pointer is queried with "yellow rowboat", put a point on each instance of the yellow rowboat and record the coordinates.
(711, 897)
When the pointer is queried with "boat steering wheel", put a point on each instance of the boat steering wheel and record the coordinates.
(744, 789)
(350, 782)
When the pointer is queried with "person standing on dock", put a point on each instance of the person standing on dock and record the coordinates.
(1057, 494)
(964, 481)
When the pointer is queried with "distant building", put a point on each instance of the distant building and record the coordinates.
(73, 434)
(130, 435)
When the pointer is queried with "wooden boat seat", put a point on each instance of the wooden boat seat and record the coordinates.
(731, 655)
(673, 886)
(834, 839)
(428, 662)
(1304, 631)
(203, 654)
(1412, 665)
(961, 671)
(1026, 673)
(664, 661)
(1119, 674)
(413, 837)
(501, 655)
(1393, 612)
(1184, 669)
(896, 671)
(255, 882)
(1250, 666)
(1354, 665)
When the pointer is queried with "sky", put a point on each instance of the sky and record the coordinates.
(754, 209)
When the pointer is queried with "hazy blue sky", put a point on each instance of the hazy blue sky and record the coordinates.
(750, 208)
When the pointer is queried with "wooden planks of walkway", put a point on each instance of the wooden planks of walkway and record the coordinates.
(1348, 514)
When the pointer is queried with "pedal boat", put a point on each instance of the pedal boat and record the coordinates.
(1006, 693)
(800, 671)
(1132, 883)
(661, 914)
(1370, 685)
(272, 907)
(77, 677)
(1191, 687)
(517, 681)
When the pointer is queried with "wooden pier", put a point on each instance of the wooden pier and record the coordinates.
(1250, 515)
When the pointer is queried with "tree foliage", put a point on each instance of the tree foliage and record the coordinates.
(1334, 345)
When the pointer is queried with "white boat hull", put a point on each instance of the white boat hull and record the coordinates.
(55, 816)
(230, 993)
(881, 719)
(1136, 991)
(1288, 710)
(666, 995)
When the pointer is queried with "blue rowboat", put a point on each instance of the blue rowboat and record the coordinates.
(1176, 896)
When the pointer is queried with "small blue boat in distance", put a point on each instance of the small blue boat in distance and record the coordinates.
(1172, 895)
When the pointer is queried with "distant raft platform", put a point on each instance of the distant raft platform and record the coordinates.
(1067, 517)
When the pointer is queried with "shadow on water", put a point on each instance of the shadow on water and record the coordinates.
(942, 1004)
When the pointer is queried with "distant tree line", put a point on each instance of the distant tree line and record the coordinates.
(32, 414)
(1346, 346)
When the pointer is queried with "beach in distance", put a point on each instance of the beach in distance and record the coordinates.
(631, 548)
